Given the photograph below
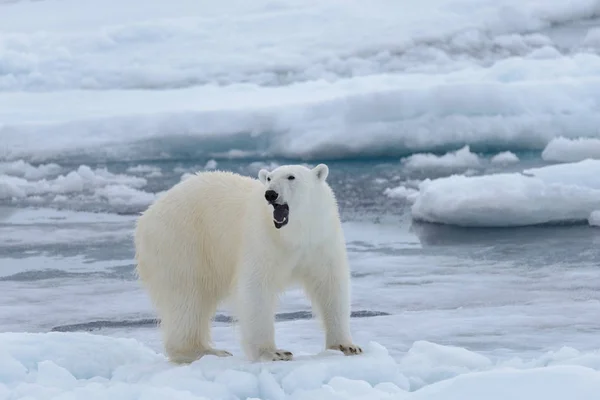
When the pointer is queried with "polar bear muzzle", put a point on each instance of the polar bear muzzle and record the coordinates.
(281, 213)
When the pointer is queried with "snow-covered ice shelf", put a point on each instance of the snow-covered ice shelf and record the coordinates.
(67, 45)
(351, 79)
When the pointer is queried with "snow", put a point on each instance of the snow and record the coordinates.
(91, 47)
(563, 149)
(594, 219)
(233, 80)
(459, 159)
(504, 158)
(77, 365)
(552, 194)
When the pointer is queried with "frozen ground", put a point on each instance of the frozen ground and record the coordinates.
(123, 369)
(104, 104)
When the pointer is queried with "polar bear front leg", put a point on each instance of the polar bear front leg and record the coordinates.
(328, 287)
(257, 303)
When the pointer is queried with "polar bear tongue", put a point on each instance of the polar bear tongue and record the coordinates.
(281, 213)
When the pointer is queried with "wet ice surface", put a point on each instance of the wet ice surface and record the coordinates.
(502, 292)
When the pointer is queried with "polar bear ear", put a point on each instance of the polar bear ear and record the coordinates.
(262, 175)
(321, 171)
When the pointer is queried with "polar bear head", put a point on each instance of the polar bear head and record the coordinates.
(293, 189)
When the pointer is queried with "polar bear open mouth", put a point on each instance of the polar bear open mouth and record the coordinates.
(281, 213)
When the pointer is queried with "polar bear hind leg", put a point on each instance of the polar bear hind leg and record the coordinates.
(185, 321)
(187, 331)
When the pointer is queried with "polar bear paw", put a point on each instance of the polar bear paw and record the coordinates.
(347, 349)
(276, 355)
(217, 352)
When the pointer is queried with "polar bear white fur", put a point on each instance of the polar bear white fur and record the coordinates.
(213, 237)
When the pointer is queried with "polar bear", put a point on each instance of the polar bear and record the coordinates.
(220, 236)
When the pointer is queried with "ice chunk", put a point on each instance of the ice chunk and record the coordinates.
(592, 38)
(25, 170)
(594, 218)
(568, 150)
(459, 159)
(210, 164)
(123, 195)
(402, 192)
(82, 186)
(553, 194)
(505, 157)
(148, 170)
(550, 383)
(428, 362)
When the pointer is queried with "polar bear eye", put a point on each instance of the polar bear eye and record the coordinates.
(268, 179)
(291, 177)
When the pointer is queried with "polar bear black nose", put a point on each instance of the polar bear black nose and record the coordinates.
(271, 196)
